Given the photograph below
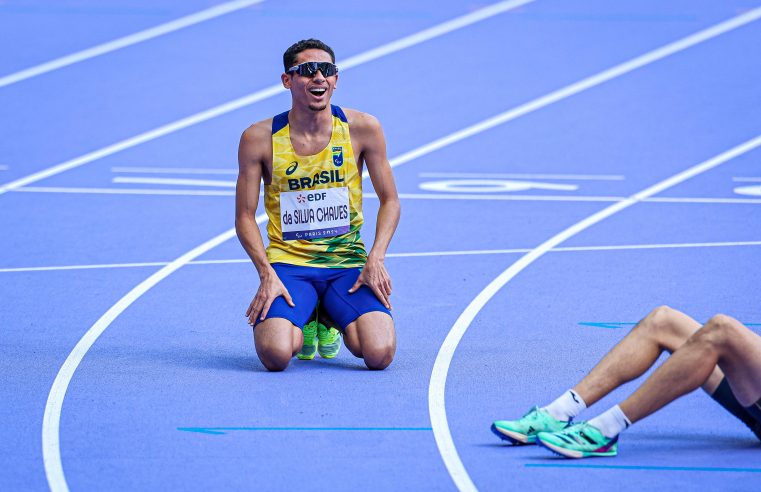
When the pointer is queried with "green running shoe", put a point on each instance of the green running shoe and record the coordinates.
(309, 348)
(579, 441)
(524, 431)
(329, 341)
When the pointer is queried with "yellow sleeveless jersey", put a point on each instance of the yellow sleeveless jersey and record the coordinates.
(314, 203)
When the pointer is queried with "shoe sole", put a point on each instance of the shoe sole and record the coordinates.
(512, 437)
(571, 453)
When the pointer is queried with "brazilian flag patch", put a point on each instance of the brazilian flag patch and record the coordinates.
(338, 156)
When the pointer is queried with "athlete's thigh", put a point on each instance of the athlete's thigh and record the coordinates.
(344, 307)
(302, 293)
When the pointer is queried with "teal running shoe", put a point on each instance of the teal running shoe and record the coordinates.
(524, 431)
(579, 441)
(329, 341)
(309, 347)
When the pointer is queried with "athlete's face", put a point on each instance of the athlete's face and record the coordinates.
(312, 92)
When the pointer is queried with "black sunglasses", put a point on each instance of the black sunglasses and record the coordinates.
(309, 69)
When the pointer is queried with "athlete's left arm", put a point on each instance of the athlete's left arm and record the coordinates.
(367, 132)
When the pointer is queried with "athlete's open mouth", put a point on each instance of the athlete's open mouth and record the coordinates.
(318, 91)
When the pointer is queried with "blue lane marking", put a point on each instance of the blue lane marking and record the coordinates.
(658, 468)
(615, 325)
(224, 430)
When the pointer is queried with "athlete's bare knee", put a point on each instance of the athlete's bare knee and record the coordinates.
(278, 366)
(661, 318)
(274, 360)
(713, 337)
(656, 323)
(721, 322)
(667, 327)
(275, 354)
(379, 358)
(720, 329)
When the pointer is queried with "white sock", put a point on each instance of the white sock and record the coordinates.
(612, 422)
(567, 406)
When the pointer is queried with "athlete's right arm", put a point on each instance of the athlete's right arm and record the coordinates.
(254, 153)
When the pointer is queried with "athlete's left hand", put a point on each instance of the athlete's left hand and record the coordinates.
(375, 276)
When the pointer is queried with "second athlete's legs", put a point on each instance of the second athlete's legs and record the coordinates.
(662, 329)
(723, 341)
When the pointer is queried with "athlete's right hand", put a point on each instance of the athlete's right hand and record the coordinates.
(270, 288)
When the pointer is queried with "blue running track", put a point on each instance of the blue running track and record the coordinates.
(126, 360)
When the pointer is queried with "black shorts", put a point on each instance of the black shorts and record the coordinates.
(755, 410)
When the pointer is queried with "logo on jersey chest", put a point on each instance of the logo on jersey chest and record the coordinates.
(338, 156)
(292, 168)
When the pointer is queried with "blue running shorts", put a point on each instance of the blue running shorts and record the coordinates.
(330, 286)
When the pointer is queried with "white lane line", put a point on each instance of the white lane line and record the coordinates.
(50, 432)
(174, 181)
(754, 190)
(124, 191)
(436, 31)
(589, 82)
(666, 199)
(485, 186)
(574, 177)
(96, 266)
(173, 170)
(436, 389)
(142, 138)
(387, 49)
(403, 196)
(747, 180)
(622, 247)
(517, 198)
(120, 43)
(51, 447)
(51, 421)
(571, 249)
(420, 254)
(565, 198)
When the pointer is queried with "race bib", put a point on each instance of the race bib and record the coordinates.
(314, 214)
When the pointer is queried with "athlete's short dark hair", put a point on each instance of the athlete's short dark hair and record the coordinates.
(289, 57)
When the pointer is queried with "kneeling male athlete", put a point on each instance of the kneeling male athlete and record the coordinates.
(310, 160)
